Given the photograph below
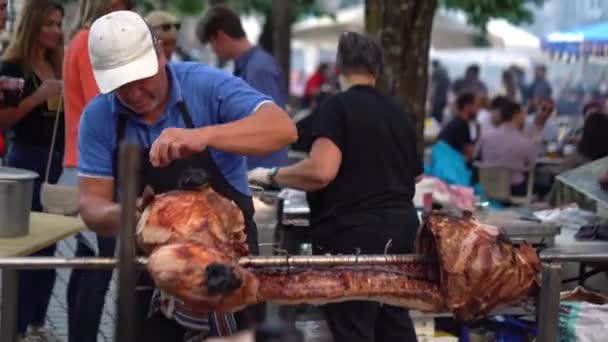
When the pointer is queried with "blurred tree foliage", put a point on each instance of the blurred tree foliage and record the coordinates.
(479, 12)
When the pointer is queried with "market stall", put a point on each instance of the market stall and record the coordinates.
(581, 186)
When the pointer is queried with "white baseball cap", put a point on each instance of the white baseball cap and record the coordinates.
(122, 50)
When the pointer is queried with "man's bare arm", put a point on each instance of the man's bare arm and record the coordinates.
(97, 207)
(315, 172)
(267, 130)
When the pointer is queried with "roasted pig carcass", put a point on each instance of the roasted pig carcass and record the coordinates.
(479, 268)
(202, 217)
(205, 279)
(462, 265)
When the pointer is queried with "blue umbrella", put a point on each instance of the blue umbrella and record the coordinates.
(582, 41)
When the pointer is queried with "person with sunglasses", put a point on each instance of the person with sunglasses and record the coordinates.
(539, 125)
(165, 27)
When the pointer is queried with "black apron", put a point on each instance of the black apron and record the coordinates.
(171, 178)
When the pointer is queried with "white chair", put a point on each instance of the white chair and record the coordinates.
(496, 184)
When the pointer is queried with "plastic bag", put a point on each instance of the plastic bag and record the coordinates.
(583, 316)
(457, 196)
(570, 216)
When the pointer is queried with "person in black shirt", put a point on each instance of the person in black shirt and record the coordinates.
(360, 180)
(305, 125)
(462, 131)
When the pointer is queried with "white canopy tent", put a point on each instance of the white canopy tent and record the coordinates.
(448, 32)
(315, 39)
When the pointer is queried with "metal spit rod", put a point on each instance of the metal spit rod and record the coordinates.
(330, 260)
(248, 261)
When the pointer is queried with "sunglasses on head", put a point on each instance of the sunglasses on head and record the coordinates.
(168, 27)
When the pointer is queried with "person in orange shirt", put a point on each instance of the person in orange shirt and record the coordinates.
(86, 288)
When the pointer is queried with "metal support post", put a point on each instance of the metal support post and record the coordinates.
(8, 328)
(127, 269)
(548, 313)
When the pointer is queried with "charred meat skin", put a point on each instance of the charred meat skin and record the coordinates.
(480, 270)
(203, 217)
(394, 285)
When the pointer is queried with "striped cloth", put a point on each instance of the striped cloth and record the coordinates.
(213, 323)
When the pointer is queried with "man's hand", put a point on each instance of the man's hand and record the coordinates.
(176, 143)
(145, 199)
(260, 176)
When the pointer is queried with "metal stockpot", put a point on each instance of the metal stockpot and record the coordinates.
(16, 191)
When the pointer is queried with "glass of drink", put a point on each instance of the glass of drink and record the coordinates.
(552, 150)
(53, 103)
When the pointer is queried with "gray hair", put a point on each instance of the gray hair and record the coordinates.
(359, 53)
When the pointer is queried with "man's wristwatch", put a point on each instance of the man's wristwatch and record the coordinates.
(272, 172)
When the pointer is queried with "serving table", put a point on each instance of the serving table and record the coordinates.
(45, 230)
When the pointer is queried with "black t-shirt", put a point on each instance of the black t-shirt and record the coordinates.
(457, 133)
(376, 180)
(36, 127)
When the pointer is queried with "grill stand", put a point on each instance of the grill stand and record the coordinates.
(128, 263)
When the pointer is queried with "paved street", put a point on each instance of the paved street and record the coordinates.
(57, 312)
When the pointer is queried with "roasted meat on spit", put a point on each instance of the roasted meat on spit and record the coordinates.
(187, 270)
(461, 265)
(479, 268)
(202, 217)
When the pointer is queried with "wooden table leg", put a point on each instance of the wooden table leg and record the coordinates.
(10, 291)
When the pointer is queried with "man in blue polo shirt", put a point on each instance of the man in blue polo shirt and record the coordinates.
(222, 29)
(184, 116)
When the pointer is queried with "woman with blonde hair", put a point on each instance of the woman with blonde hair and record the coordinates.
(35, 53)
(87, 288)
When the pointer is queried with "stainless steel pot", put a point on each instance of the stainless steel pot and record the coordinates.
(16, 191)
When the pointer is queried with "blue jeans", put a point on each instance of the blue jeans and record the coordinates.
(86, 288)
(35, 286)
(86, 293)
